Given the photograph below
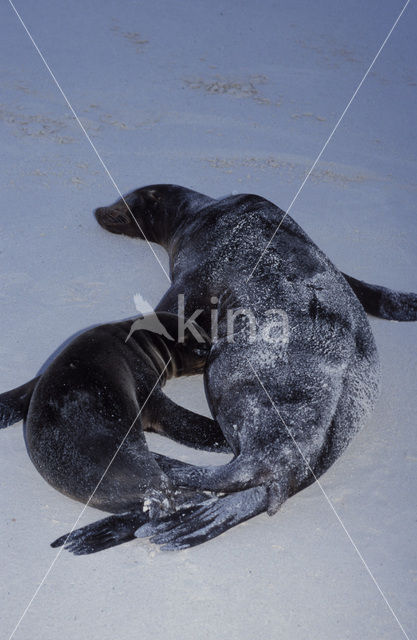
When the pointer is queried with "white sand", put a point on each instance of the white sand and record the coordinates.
(219, 97)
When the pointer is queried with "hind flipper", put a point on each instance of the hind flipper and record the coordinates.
(165, 417)
(384, 303)
(15, 403)
(119, 528)
(103, 534)
(196, 524)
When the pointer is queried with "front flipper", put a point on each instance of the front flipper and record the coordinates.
(102, 534)
(172, 465)
(165, 417)
(196, 524)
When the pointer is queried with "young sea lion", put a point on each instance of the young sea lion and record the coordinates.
(99, 394)
(287, 409)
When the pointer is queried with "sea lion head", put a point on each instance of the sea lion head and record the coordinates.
(152, 213)
(186, 343)
(137, 214)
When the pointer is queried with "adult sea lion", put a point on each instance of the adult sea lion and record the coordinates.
(287, 409)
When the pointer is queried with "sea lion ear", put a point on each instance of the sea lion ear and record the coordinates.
(149, 200)
(153, 195)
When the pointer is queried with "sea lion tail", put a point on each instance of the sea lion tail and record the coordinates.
(384, 303)
(14, 404)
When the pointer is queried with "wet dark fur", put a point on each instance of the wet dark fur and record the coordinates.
(316, 390)
(79, 410)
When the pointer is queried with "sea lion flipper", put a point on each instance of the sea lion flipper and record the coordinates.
(14, 404)
(196, 524)
(384, 303)
(119, 528)
(186, 427)
(103, 534)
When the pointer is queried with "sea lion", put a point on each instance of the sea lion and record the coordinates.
(106, 383)
(289, 409)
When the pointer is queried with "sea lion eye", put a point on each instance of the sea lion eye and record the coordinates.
(201, 350)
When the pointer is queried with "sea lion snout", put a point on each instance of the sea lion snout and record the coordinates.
(117, 219)
(111, 216)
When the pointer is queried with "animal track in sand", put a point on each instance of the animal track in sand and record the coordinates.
(291, 170)
(218, 85)
(131, 36)
(34, 125)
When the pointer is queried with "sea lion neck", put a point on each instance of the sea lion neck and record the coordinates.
(162, 356)
(169, 358)
(162, 210)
